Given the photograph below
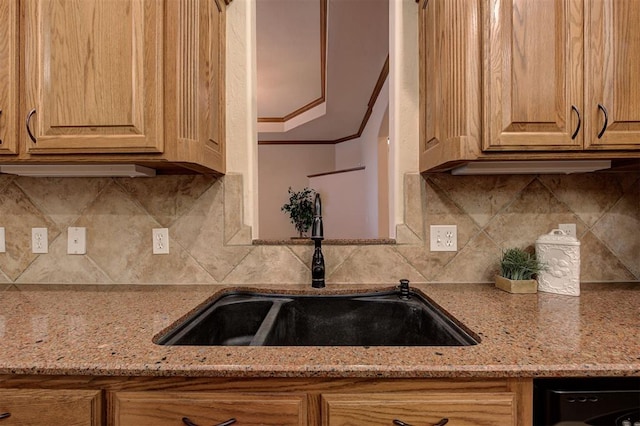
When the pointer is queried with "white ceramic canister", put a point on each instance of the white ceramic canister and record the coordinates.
(560, 254)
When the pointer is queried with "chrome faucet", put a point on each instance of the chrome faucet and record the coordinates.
(317, 235)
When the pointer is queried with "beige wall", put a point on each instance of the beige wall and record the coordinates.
(282, 166)
(209, 244)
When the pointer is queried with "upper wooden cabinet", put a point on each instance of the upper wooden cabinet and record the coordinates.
(612, 64)
(92, 76)
(533, 81)
(119, 81)
(8, 76)
(528, 79)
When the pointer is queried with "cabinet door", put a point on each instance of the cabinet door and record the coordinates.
(450, 73)
(93, 76)
(8, 76)
(534, 75)
(194, 100)
(461, 409)
(613, 74)
(169, 408)
(39, 407)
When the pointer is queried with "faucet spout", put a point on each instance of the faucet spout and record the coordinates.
(317, 235)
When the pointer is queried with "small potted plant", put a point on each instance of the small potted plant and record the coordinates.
(518, 270)
(300, 209)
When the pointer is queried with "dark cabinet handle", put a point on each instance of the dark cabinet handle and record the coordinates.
(33, 138)
(606, 120)
(5, 415)
(1, 144)
(401, 423)
(575, 133)
(188, 422)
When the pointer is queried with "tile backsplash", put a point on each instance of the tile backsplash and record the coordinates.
(209, 243)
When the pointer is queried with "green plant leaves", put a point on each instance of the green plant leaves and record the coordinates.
(300, 208)
(517, 264)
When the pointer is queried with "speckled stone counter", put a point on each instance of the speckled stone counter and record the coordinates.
(108, 331)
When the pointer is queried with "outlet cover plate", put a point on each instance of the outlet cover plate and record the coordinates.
(3, 246)
(568, 228)
(76, 240)
(161, 241)
(443, 237)
(39, 240)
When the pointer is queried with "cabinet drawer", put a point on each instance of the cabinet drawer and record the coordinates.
(461, 409)
(38, 407)
(205, 409)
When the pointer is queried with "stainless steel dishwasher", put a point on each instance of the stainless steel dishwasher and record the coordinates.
(610, 401)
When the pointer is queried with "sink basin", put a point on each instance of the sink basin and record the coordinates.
(364, 319)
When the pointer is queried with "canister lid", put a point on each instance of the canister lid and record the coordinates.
(558, 236)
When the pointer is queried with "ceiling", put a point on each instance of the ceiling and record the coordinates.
(292, 67)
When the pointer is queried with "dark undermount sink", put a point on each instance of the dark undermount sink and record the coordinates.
(366, 319)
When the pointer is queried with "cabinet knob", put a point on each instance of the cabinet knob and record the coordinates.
(33, 138)
(606, 120)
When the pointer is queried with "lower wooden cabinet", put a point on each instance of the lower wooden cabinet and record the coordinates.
(206, 409)
(210, 401)
(459, 409)
(50, 407)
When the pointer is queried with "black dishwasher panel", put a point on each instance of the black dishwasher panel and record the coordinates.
(610, 401)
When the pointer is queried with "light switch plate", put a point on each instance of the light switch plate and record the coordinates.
(3, 247)
(39, 240)
(76, 240)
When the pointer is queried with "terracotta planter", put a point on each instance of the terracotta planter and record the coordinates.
(516, 286)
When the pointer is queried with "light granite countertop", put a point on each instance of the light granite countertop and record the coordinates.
(108, 331)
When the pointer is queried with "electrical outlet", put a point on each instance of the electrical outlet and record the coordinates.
(3, 247)
(568, 228)
(39, 240)
(76, 240)
(444, 237)
(161, 241)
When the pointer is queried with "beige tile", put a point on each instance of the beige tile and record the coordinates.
(62, 199)
(5, 180)
(201, 232)
(536, 211)
(380, 265)
(429, 264)
(406, 236)
(59, 267)
(334, 255)
(270, 265)
(478, 261)
(18, 215)
(166, 197)
(414, 203)
(588, 195)
(119, 242)
(481, 197)
(441, 210)
(235, 231)
(618, 229)
(598, 263)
